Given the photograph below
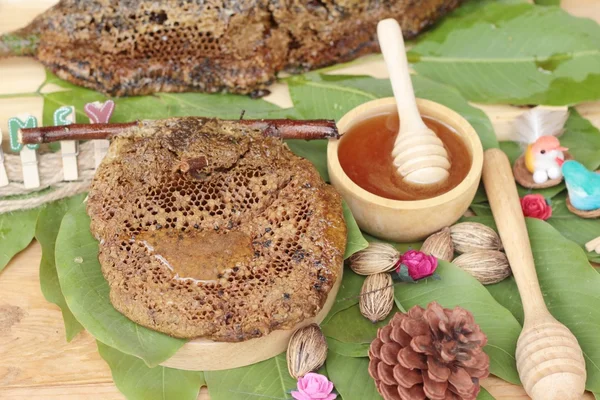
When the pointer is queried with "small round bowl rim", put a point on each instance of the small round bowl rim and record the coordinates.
(465, 129)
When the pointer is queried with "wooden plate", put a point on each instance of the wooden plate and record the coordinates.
(525, 178)
(208, 355)
(583, 214)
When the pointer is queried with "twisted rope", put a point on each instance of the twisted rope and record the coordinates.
(51, 177)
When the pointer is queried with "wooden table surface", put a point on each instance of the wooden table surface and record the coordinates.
(36, 362)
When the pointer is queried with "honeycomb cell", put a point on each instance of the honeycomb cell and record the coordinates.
(209, 252)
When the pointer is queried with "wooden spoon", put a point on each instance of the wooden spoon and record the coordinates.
(549, 359)
(418, 153)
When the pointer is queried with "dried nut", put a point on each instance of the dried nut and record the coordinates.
(377, 297)
(439, 245)
(487, 266)
(377, 258)
(307, 351)
(472, 236)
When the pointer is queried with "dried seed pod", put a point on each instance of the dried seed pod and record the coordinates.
(377, 297)
(487, 266)
(472, 236)
(375, 259)
(307, 351)
(439, 245)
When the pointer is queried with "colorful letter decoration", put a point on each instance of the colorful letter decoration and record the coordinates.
(65, 115)
(3, 176)
(31, 175)
(100, 113)
(14, 124)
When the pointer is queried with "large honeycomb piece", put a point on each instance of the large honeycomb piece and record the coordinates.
(138, 47)
(209, 229)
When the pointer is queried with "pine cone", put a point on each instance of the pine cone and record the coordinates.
(435, 353)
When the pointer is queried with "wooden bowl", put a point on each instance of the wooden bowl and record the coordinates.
(405, 221)
(208, 355)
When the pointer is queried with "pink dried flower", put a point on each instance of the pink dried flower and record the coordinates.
(314, 387)
(419, 264)
(535, 206)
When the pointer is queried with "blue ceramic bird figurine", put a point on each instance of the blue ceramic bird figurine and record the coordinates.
(583, 186)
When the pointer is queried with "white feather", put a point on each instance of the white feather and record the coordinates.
(540, 121)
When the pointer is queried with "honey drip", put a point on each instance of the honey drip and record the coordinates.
(203, 256)
(365, 154)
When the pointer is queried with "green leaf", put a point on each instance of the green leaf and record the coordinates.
(350, 326)
(480, 196)
(351, 378)
(46, 230)
(452, 98)
(402, 275)
(348, 294)
(268, 379)
(504, 292)
(458, 288)
(512, 56)
(548, 2)
(401, 247)
(348, 349)
(138, 382)
(331, 96)
(486, 220)
(572, 227)
(314, 151)
(87, 295)
(355, 240)
(513, 150)
(583, 140)
(17, 229)
(482, 210)
(570, 288)
(160, 105)
(484, 394)
(323, 371)
(507, 294)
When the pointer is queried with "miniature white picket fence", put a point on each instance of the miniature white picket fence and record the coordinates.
(38, 179)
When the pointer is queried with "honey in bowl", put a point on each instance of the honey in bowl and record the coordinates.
(365, 154)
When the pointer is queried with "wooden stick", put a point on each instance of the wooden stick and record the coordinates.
(295, 129)
(282, 128)
(549, 360)
(49, 134)
(592, 244)
(420, 157)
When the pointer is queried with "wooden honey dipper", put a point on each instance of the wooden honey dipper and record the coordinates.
(549, 359)
(419, 155)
